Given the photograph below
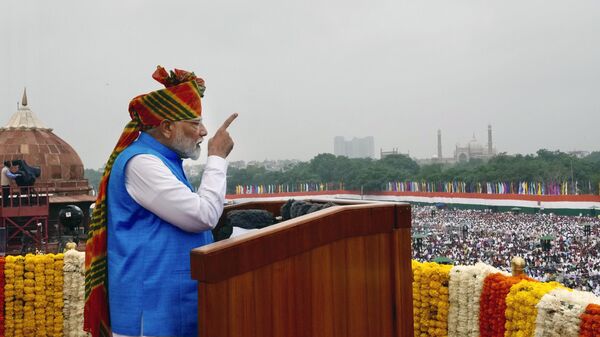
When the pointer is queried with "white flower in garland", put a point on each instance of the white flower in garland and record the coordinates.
(74, 287)
(559, 312)
(456, 293)
(477, 276)
(465, 286)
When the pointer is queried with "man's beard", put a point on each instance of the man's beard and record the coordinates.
(186, 147)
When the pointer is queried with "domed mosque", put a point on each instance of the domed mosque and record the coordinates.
(25, 137)
(475, 150)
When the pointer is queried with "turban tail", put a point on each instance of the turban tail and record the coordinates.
(180, 100)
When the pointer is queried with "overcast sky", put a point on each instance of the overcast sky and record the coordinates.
(301, 72)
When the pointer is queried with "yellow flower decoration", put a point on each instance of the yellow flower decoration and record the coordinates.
(29, 297)
(430, 298)
(58, 303)
(17, 325)
(9, 296)
(48, 262)
(521, 310)
(40, 296)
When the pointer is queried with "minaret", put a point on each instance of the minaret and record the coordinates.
(24, 100)
(439, 144)
(490, 145)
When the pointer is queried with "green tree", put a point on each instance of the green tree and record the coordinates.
(373, 175)
(93, 177)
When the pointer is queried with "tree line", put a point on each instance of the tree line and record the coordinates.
(374, 175)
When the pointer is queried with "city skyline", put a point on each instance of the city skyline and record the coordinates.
(300, 74)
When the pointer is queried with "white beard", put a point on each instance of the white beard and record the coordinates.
(185, 147)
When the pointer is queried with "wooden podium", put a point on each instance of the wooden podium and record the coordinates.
(342, 271)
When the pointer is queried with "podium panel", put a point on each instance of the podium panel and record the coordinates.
(342, 271)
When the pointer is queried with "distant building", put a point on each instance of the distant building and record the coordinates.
(394, 151)
(27, 138)
(579, 154)
(383, 154)
(474, 150)
(61, 184)
(462, 153)
(238, 164)
(280, 165)
(355, 148)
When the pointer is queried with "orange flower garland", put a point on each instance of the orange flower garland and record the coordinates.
(493, 303)
(590, 321)
(42, 295)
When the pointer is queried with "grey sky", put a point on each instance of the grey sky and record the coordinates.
(301, 72)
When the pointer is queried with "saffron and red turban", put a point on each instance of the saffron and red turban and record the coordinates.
(180, 100)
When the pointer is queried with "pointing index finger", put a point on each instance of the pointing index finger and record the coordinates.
(228, 121)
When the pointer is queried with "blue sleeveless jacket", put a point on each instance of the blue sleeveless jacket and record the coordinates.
(149, 259)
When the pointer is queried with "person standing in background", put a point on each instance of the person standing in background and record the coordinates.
(7, 176)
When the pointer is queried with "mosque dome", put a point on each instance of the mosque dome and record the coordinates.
(26, 137)
(474, 145)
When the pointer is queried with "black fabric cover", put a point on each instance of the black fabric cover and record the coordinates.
(247, 219)
(27, 173)
(300, 207)
(250, 218)
(285, 210)
(318, 207)
(259, 218)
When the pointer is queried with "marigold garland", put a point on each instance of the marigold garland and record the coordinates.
(42, 295)
(19, 271)
(49, 292)
(521, 306)
(2, 285)
(493, 303)
(30, 286)
(33, 295)
(9, 296)
(430, 298)
(58, 301)
(590, 321)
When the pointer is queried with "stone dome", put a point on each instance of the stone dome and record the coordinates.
(26, 137)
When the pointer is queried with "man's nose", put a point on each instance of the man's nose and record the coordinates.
(202, 131)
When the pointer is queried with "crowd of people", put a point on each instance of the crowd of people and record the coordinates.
(469, 236)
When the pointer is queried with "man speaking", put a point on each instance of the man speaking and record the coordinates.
(148, 217)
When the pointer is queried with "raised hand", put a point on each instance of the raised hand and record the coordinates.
(221, 143)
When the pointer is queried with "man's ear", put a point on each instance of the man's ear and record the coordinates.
(166, 128)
